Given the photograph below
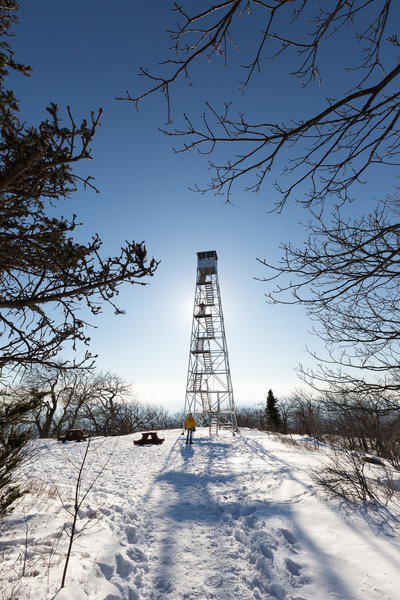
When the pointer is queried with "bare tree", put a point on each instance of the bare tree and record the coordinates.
(286, 409)
(63, 399)
(58, 394)
(101, 403)
(365, 424)
(306, 415)
(87, 475)
(107, 399)
(344, 475)
(252, 417)
(358, 127)
(345, 274)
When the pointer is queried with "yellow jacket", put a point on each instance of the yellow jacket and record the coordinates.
(190, 423)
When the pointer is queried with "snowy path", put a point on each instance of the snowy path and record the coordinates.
(227, 518)
(209, 526)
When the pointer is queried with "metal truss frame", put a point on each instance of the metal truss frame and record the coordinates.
(209, 386)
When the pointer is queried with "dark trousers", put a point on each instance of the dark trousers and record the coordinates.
(189, 435)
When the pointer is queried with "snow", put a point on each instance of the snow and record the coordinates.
(226, 518)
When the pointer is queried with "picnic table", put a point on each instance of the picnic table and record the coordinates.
(149, 437)
(73, 435)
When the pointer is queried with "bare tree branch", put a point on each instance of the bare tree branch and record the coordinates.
(45, 275)
(332, 149)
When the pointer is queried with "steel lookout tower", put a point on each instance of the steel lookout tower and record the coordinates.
(209, 386)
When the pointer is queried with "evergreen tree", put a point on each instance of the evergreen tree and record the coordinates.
(45, 275)
(274, 420)
(14, 434)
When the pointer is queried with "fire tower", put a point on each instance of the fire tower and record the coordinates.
(209, 386)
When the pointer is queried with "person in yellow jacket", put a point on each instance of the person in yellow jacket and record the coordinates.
(190, 426)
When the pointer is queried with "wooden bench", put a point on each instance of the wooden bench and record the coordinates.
(149, 437)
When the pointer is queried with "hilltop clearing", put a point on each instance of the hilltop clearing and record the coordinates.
(226, 518)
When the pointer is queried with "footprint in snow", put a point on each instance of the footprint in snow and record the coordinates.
(289, 537)
(261, 565)
(249, 510)
(266, 551)
(163, 584)
(276, 591)
(105, 511)
(235, 512)
(256, 583)
(131, 534)
(137, 556)
(107, 570)
(293, 567)
(250, 522)
(117, 508)
(124, 567)
(132, 515)
(239, 537)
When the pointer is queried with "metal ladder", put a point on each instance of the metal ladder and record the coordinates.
(199, 347)
(214, 423)
(209, 294)
(209, 326)
(207, 361)
(197, 382)
(205, 401)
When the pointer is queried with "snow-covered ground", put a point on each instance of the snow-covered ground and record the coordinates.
(228, 518)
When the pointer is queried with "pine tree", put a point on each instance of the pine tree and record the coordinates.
(274, 420)
(45, 275)
(14, 435)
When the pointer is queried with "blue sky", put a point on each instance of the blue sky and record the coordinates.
(85, 53)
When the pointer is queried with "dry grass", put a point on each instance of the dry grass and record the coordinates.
(289, 440)
(41, 491)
